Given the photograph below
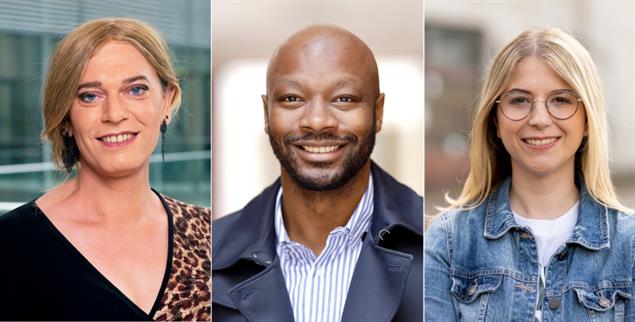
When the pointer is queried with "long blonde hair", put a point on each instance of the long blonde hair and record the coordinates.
(490, 163)
(73, 52)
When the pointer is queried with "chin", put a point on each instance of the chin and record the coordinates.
(119, 169)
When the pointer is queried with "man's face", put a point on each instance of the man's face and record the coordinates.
(322, 112)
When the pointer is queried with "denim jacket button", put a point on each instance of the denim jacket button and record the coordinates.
(554, 303)
(562, 256)
(604, 302)
(472, 289)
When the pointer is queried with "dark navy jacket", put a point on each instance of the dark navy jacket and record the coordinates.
(387, 283)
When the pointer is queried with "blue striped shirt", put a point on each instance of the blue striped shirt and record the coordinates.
(318, 285)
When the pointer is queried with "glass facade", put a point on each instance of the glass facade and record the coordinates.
(25, 168)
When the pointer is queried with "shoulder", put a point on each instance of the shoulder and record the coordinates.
(184, 211)
(248, 221)
(392, 188)
(18, 220)
(191, 222)
(623, 224)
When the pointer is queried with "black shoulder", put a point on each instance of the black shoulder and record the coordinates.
(16, 220)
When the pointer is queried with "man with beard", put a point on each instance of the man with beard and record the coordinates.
(335, 238)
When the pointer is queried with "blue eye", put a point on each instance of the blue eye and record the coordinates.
(138, 90)
(87, 97)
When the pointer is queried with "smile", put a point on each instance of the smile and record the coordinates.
(117, 139)
(540, 142)
(320, 149)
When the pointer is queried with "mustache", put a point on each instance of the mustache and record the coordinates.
(291, 139)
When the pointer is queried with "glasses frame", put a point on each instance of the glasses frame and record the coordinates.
(533, 104)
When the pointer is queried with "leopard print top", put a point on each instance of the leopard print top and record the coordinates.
(188, 289)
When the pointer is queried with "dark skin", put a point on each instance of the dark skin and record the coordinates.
(322, 105)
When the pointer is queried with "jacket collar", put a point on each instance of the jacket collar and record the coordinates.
(394, 206)
(591, 229)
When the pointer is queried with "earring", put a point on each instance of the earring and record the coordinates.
(70, 153)
(164, 128)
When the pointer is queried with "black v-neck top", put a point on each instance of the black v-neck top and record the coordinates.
(44, 277)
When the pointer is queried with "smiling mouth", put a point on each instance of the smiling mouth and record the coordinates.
(118, 138)
(320, 149)
(540, 142)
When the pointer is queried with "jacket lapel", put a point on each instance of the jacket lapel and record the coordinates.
(378, 283)
(264, 297)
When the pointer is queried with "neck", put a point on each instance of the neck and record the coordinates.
(543, 197)
(113, 200)
(309, 216)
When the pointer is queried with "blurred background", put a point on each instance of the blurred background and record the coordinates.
(245, 33)
(462, 37)
(29, 31)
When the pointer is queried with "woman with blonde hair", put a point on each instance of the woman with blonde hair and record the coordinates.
(103, 245)
(537, 233)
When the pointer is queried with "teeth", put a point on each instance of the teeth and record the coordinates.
(540, 142)
(117, 138)
(320, 149)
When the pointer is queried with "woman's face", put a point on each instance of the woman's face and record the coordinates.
(540, 145)
(118, 110)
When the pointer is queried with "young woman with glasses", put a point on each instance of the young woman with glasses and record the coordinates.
(537, 233)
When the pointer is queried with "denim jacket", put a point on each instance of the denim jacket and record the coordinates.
(480, 265)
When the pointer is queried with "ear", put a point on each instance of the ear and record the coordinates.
(379, 112)
(265, 108)
(168, 98)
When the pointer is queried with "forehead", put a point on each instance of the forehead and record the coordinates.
(116, 58)
(533, 74)
(333, 60)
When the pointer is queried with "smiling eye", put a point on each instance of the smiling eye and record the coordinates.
(138, 90)
(344, 99)
(291, 99)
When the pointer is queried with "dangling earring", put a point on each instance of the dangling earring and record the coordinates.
(164, 128)
(70, 153)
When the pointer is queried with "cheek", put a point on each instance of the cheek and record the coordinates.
(283, 121)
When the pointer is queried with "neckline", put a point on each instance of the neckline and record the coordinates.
(75, 252)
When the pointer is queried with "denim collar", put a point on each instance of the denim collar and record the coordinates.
(591, 230)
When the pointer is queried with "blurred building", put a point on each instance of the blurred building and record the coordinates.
(244, 36)
(29, 31)
(462, 37)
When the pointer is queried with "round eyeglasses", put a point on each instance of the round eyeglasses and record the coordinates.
(560, 104)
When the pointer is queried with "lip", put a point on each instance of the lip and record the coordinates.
(541, 143)
(319, 151)
(118, 139)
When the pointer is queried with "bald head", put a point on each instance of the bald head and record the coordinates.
(324, 50)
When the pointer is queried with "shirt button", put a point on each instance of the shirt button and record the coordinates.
(604, 302)
(554, 303)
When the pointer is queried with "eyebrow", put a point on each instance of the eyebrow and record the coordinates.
(529, 92)
(125, 81)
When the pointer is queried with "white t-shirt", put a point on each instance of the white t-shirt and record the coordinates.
(549, 234)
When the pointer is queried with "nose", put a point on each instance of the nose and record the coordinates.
(318, 116)
(115, 110)
(539, 116)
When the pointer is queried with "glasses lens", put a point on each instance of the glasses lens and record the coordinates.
(562, 105)
(516, 106)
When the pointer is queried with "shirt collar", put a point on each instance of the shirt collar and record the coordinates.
(355, 227)
(591, 229)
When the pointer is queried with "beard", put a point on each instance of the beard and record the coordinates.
(359, 151)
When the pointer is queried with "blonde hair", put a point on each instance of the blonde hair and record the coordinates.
(69, 60)
(490, 163)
